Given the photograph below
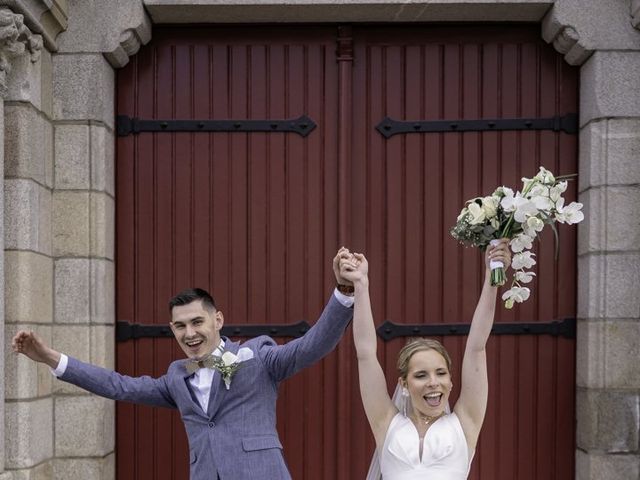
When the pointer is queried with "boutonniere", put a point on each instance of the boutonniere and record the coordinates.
(229, 363)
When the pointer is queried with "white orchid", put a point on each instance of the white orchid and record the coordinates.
(515, 294)
(524, 277)
(532, 226)
(545, 176)
(521, 242)
(524, 209)
(555, 192)
(570, 214)
(523, 260)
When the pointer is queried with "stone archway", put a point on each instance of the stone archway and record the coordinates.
(58, 251)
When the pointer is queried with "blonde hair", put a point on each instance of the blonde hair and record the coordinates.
(420, 345)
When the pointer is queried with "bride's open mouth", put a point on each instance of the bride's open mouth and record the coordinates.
(433, 399)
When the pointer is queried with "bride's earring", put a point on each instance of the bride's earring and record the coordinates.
(405, 399)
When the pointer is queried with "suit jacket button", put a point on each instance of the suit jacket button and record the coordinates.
(211, 424)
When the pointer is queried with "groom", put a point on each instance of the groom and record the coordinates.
(227, 401)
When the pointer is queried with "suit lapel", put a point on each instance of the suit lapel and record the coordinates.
(189, 390)
(218, 388)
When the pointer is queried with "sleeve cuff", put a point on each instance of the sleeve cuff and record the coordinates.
(345, 300)
(62, 366)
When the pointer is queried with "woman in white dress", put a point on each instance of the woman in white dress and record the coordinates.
(417, 436)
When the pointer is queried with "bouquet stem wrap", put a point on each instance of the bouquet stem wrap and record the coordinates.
(498, 276)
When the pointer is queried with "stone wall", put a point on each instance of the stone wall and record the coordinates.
(58, 204)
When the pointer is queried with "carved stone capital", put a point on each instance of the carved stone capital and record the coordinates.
(15, 39)
(565, 39)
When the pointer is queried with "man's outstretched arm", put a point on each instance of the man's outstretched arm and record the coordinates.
(98, 380)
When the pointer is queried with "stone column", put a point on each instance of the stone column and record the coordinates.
(100, 38)
(26, 265)
(608, 378)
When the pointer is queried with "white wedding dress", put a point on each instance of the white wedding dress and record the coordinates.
(445, 454)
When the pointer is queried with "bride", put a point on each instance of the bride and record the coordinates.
(417, 436)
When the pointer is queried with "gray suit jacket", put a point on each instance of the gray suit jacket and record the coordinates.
(236, 439)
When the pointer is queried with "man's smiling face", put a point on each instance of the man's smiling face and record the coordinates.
(196, 328)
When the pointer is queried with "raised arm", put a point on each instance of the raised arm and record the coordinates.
(373, 386)
(472, 403)
(98, 380)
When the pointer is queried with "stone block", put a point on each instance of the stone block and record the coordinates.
(604, 350)
(607, 286)
(74, 341)
(84, 426)
(612, 222)
(85, 468)
(607, 420)
(102, 225)
(24, 378)
(590, 353)
(25, 80)
(28, 144)
(296, 11)
(622, 344)
(103, 294)
(594, 465)
(71, 230)
(73, 163)
(102, 160)
(27, 216)
(46, 75)
(103, 346)
(44, 471)
(83, 88)
(609, 153)
(72, 290)
(29, 425)
(28, 287)
(605, 86)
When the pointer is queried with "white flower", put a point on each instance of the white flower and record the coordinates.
(477, 213)
(543, 202)
(520, 243)
(508, 201)
(524, 277)
(463, 212)
(524, 210)
(523, 260)
(495, 223)
(229, 358)
(515, 294)
(557, 190)
(532, 226)
(570, 214)
(545, 176)
(490, 206)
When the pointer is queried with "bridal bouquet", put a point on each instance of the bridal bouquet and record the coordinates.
(518, 216)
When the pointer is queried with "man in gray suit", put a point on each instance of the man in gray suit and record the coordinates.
(226, 392)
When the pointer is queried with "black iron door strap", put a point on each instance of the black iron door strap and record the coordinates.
(567, 123)
(558, 328)
(126, 331)
(126, 125)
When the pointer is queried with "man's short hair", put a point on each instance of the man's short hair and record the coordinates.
(191, 295)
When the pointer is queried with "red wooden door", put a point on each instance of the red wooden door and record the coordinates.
(253, 217)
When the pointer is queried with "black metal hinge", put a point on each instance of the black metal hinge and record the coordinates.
(126, 125)
(127, 331)
(567, 123)
(558, 328)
